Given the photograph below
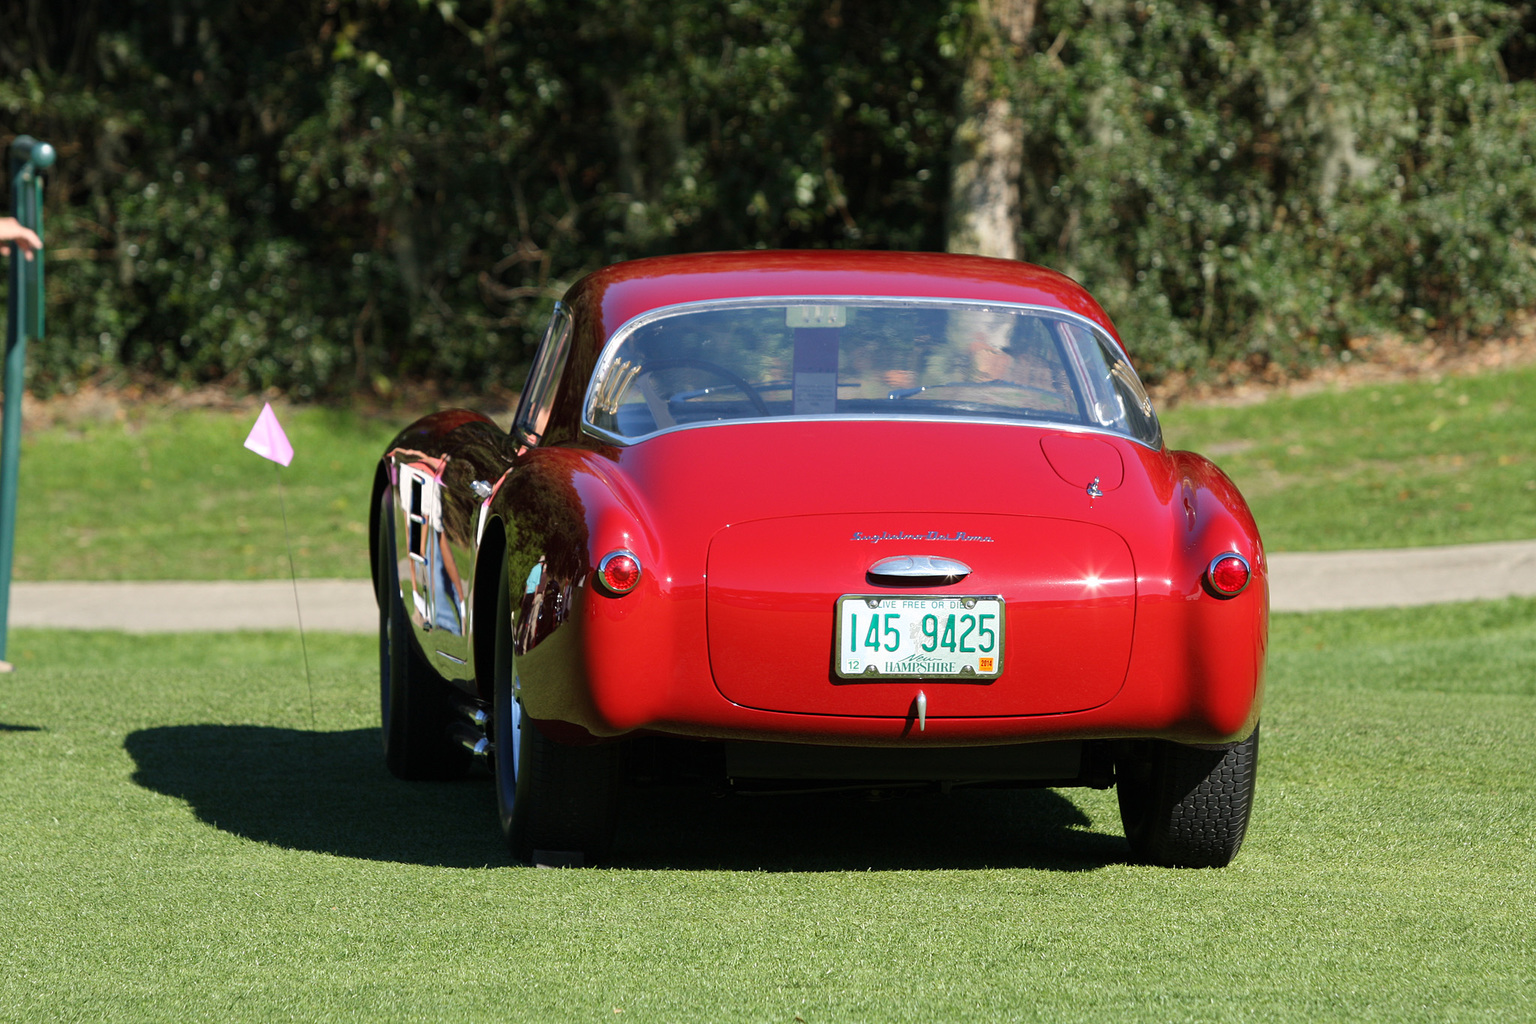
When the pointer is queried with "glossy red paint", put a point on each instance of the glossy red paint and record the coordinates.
(749, 532)
(1084, 460)
(622, 292)
(697, 651)
(1069, 590)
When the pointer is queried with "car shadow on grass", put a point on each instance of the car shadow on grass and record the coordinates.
(328, 792)
(888, 830)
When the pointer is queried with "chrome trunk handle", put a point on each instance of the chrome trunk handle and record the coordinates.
(919, 569)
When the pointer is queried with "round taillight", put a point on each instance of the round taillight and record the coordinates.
(619, 571)
(1228, 574)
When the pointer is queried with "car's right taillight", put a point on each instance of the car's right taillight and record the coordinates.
(1228, 574)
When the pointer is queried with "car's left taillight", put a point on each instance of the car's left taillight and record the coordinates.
(1228, 574)
(619, 571)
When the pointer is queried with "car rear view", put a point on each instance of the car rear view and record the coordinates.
(843, 518)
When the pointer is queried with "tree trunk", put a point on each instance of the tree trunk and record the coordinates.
(987, 157)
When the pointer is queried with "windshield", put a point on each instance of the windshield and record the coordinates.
(864, 358)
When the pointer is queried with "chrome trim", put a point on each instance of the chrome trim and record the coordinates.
(921, 567)
(922, 711)
(1211, 565)
(620, 441)
(482, 488)
(560, 323)
(603, 565)
(624, 330)
(1093, 490)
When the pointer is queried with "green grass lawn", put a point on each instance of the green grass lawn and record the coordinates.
(1396, 465)
(173, 495)
(177, 843)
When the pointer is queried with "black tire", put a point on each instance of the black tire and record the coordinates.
(1186, 807)
(413, 702)
(557, 803)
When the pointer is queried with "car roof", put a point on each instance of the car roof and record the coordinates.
(619, 293)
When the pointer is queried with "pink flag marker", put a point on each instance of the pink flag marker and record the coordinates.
(267, 438)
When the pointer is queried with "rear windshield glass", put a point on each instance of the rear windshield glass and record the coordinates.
(716, 363)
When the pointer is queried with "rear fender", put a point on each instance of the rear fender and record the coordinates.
(573, 638)
(1227, 638)
(629, 643)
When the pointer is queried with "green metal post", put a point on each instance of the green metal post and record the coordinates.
(29, 158)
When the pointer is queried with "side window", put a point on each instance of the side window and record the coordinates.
(539, 391)
(1114, 396)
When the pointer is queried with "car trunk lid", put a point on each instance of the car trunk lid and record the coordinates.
(1068, 589)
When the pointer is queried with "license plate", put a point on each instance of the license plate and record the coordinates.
(884, 637)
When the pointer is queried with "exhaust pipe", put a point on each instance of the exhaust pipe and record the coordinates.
(470, 738)
(471, 712)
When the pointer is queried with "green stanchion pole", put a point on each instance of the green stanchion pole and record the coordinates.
(29, 158)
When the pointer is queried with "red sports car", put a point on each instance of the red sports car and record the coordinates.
(822, 518)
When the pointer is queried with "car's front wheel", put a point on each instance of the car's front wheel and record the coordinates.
(413, 708)
(557, 802)
(1186, 806)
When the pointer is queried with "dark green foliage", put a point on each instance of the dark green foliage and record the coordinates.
(1263, 181)
(327, 194)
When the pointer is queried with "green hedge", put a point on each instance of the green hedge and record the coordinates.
(322, 195)
(1262, 182)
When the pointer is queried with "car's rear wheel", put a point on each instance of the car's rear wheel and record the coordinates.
(557, 802)
(1186, 806)
(413, 705)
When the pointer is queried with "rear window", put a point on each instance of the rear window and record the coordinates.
(730, 362)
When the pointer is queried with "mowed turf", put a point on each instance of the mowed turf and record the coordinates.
(1446, 461)
(177, 842)
(174, 494)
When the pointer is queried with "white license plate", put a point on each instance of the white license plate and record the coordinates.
(884, 637)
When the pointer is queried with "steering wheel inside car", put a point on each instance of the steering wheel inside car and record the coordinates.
(659, 402)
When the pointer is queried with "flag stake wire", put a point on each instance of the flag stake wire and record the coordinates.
(268, 440)
(298, 609)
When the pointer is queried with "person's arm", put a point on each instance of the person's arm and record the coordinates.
(13, 235)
